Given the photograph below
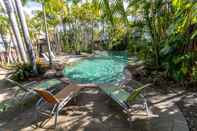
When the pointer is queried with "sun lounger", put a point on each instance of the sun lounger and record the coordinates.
(28, 88)
(57, 101)
(122, 97)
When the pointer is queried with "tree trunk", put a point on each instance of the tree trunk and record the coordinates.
(92, 41)
(63, 34)
(9, 54)
(26, 34)
(5, 43)
(47, 35)
(13, 39)
(13, 21)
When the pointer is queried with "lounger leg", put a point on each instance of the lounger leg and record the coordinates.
(37, 119)
(56, 115)
(75, 100)
(21, 100)
(17, 92)
(54, 108)
(129, 119)
(146, 107)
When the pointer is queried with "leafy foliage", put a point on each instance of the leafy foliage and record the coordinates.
(167, 31)
(161, 32)
(24, 71)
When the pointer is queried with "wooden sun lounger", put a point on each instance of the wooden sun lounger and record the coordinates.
(59, 100)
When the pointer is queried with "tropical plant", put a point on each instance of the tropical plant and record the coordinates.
(26, 35)
(24, 71)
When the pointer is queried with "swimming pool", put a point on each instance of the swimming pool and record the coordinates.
(103, 68)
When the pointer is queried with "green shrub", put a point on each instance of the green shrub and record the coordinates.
(24, 71)
(177, 61)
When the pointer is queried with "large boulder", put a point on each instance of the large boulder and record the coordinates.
(50, 73)
(59, 74)
(65, 80)
(59, 66)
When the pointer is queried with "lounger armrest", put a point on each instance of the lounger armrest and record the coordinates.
(30, 83)
(145, 86)
(39, 102)
(22, 87)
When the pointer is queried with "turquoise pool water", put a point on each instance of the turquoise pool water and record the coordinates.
(106, 67)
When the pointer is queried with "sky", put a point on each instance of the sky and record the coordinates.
(31, 6)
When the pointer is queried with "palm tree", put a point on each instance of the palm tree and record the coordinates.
(13, 40)
(105, 7)
(26, 34)
(46, 33)
(5, 30)
(50, 6)
(14, 25)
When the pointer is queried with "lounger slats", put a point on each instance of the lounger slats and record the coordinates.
(68, 90)
(117, 94)
(121, 96)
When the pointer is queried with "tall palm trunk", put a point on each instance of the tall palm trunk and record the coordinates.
(5, 44)
(13, 39)
(46, 34)
(62, 35)
(92, 39)
(13, 21)
(26, 34)
(9, 54)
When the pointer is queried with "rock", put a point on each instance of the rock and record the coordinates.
(50, 73)
(59, 74)
(65, 80)
(58, 66)
(127, 74)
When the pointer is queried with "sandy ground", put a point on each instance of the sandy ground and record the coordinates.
(91, 113)
(6, 90)
(94, 111)
(184, 94)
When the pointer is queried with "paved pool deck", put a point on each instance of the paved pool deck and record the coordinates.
(94, 111)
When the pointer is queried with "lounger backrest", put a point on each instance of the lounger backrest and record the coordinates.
(137, 92)
(47, 96)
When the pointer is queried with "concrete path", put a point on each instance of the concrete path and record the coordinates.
(166, 116)
(95, 112)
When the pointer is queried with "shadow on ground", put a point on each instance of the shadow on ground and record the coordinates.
(94, 111)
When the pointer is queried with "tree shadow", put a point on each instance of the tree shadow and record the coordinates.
(94, 111)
